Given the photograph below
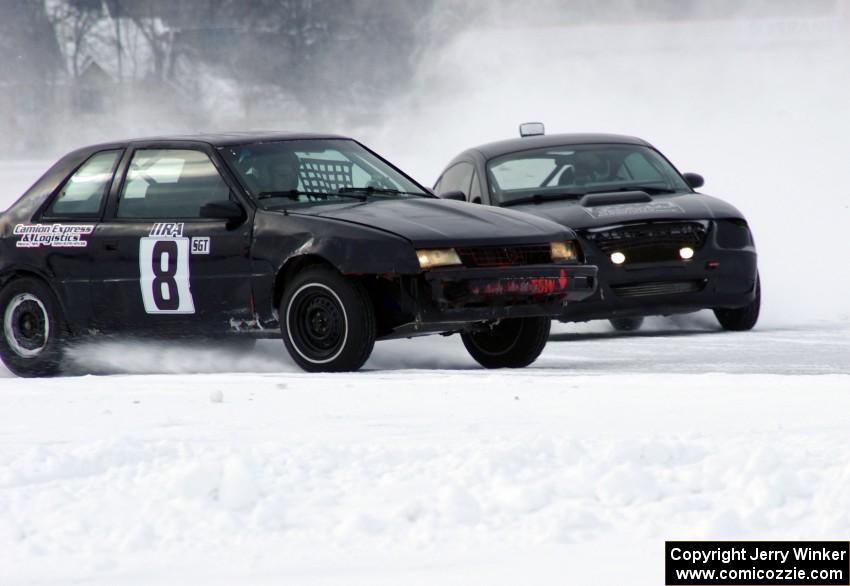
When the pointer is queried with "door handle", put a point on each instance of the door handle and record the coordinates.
(110, 245)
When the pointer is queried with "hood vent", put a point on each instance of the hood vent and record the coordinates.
(614, 198)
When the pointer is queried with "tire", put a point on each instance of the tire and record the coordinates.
(327, 321)
(512, 343)
(33, 331)
(743, 318)
(626, 324)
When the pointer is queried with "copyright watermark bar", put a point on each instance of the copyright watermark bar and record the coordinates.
(756, 563)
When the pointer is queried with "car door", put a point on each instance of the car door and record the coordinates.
(166, 267)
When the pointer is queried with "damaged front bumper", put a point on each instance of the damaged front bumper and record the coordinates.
(449, 298)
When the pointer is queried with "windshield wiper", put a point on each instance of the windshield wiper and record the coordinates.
(375, 191)
(294, 193)
(540, 198)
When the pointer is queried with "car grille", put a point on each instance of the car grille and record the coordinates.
(651, 242)
(501, 256)
(658, 288)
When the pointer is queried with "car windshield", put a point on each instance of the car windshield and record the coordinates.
(304, 172)
(569, 172)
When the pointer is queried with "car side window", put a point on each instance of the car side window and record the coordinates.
(474, 194)
(170, 183)
(82, 194)
(456, 178)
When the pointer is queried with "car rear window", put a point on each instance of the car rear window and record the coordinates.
(82, 194)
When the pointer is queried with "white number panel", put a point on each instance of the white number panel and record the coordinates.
(164, 270)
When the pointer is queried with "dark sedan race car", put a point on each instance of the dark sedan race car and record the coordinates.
(312, 238)
(661, 247)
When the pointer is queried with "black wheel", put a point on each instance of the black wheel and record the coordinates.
(33, 330)
(328, 321)
(626, 324)
(512, 343)
(743, 318)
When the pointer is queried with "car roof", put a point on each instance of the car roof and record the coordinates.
(219, 139)
(503, 147)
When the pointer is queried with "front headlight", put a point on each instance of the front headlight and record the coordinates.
(439, 257)
(563, 251)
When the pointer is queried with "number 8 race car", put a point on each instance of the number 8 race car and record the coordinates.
(312, 238)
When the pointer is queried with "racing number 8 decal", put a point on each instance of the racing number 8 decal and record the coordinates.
(164, 270)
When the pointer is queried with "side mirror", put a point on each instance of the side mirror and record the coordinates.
(694, 180)
(455, 195)
(223, 210)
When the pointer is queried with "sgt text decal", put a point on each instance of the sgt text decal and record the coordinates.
(201, 245)
(635, 209)
(55, 235)
(167, 229)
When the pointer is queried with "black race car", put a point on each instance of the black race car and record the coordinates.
(661, 247)
(312, 238)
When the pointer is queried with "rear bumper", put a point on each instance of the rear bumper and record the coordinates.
(670, 288)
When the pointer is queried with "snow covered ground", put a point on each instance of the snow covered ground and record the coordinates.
(423, 468)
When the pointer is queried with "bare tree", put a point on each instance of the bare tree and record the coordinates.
(28, 50)
(73, 22)
(160, 38)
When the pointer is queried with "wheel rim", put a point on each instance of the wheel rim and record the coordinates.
(499, 339)
(26, 325)
(316, 323)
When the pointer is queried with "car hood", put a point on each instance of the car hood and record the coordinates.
(685, 206)
(428, 222)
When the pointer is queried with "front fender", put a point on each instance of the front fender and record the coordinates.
(352, 249)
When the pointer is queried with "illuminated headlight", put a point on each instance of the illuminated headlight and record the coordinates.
(686, 252)
(438, 257)
(618, 258)
(563, 251)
